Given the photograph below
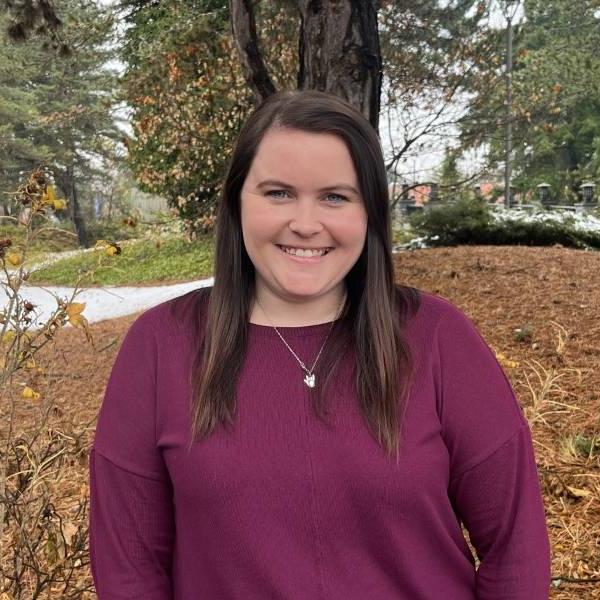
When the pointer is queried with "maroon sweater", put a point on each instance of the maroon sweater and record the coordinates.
(286, 508)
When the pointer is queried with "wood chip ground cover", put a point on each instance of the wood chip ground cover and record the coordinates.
(538, 308)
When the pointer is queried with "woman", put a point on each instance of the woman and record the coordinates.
(306, 428)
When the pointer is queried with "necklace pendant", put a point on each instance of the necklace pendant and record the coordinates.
(309, 380)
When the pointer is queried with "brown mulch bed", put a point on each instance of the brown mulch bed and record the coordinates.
(552, 295)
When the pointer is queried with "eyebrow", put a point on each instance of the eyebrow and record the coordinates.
(337, 186)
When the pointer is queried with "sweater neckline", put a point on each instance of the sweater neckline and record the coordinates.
(289, 331)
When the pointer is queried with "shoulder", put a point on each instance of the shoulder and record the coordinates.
(179, 315)
(436, 313)
(434, 307)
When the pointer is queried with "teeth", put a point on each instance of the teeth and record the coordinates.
(305, 253)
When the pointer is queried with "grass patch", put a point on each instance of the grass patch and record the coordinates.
(586, 446)
(52, 238)
(140, 261)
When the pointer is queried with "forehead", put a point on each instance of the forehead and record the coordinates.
(303, 159)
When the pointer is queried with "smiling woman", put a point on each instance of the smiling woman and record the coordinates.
(307, 428)
(304, 220)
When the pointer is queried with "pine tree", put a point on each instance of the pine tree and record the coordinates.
(65, 120)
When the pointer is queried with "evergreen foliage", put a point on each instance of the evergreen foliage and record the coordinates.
(556, 90)
(471, 221)
(57, 110)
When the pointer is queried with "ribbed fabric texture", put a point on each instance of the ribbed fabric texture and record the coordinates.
(288, 507)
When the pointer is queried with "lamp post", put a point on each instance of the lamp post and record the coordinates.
(543, 190)
(510, 11)
(587, 191)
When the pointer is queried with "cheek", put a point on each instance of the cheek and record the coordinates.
(255, 224)
(350, 227)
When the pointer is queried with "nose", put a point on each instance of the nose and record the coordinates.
(305, 220)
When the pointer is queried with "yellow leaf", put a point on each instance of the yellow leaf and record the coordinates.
(110, 248)
(78, 321)
(51, 194)
(74, 308)
(509, 364)
(14, 258)
(29, 393)
(506, 362)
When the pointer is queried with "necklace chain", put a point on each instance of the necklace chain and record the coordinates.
(310, 378)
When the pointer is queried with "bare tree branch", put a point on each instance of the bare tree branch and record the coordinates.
(243, 27)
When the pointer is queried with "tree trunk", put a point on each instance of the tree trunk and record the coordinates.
(243, 27)
(338, 50)
(4, 208)
(67, 183)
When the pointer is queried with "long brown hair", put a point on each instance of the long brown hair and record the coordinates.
(375, 310)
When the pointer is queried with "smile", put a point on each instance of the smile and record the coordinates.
(306, 256)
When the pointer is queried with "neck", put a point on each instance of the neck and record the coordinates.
(268, 309)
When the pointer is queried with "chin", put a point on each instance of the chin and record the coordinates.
(302, 290)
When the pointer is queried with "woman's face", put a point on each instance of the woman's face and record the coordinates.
(302, 193)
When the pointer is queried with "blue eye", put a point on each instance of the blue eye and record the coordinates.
(342, 198)
(276, 192)
(338, 196)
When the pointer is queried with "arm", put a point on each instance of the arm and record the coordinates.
(131, 508)
(494, 485)
(499, 501)
(131, 533)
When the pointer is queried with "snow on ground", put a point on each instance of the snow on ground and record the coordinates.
(104, 302)
(580, 221)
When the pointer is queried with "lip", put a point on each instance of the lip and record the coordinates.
(303, 259)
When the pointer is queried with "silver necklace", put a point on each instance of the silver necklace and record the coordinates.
(309, 377)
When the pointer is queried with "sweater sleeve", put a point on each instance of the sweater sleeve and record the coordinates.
(494, 485)
(499, 501)
(131, 533)
(131, 506)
